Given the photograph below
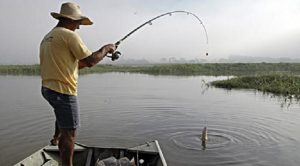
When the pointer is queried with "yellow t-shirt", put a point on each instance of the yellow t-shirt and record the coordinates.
(60, 51)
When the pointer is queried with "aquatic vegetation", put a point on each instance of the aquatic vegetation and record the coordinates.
(19, 69)
(214, 69)
(280, 84)
(222, 69)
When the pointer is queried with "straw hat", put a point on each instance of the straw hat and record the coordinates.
(71, 11)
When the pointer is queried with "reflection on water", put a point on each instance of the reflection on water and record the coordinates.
(289, 102)
(244, 127)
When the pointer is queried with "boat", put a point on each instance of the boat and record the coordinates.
(147, 154)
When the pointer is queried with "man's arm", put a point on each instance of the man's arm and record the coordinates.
(96, 56)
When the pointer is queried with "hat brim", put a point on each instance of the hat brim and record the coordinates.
(84, 20)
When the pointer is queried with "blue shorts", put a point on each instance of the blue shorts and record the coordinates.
(65, 108)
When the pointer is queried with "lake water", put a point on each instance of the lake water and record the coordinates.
(244, 127)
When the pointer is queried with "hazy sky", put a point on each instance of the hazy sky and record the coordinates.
(268, 28)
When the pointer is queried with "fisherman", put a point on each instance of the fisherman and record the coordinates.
(62, 54)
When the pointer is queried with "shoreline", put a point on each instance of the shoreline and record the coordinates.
(278, 84)
(211, 69)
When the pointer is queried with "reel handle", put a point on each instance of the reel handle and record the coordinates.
(115, 56)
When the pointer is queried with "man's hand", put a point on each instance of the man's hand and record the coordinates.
(109, 48)
(97, 56)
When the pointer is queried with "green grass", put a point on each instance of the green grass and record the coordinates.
(219, 69)
(215, 69)
(110, 68)
(19, 69)
(269, 77)
(286, 85)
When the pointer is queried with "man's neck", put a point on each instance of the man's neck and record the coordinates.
(66, 25)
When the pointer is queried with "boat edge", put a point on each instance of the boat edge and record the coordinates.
(163, 160)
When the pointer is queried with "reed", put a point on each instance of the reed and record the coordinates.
(280, 84)
(19, 69)
(215, 69)
(278, 78)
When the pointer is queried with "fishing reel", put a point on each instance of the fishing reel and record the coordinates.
(115, 56)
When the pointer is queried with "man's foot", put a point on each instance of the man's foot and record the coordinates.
(54, 142)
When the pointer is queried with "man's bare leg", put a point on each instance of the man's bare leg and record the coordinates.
(56, 135)
(66, 146)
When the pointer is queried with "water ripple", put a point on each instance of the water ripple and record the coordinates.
(230, 144)
(125, 110)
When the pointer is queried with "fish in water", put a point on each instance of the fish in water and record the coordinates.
(204, 137)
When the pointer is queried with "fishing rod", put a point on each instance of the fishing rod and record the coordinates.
(114, 56)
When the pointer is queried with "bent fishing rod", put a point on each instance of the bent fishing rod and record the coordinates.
(114, 56)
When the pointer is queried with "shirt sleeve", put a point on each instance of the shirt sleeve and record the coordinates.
(78, 48)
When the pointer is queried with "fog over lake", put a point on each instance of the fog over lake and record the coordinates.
(248, 28)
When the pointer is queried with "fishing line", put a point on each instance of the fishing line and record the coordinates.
(114, 56)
